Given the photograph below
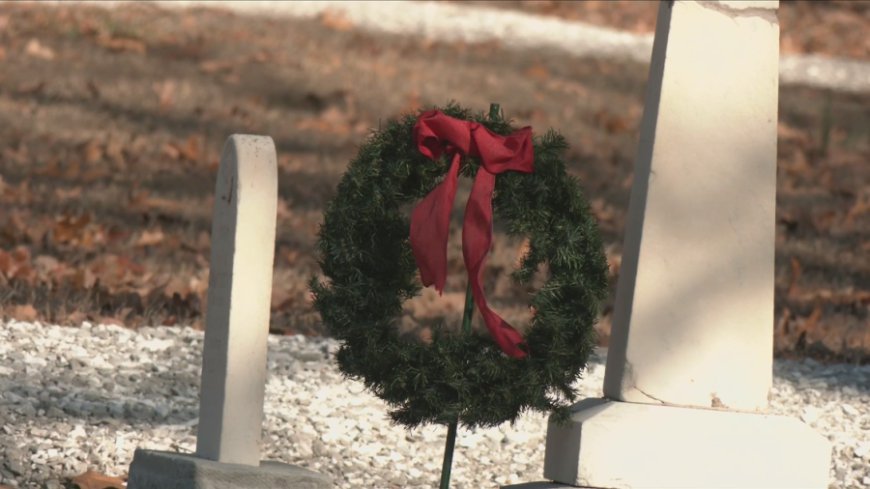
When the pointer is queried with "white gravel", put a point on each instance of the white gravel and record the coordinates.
(79, 398)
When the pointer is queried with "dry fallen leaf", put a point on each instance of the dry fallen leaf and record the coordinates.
(83, 279)
(522, 251)
(788, 132)
(165, 91)
(260, 57)
(612, 123)
(332, 120)
(282, 297)
(603, 211)
(114, 321)
(796, 270)
(70, 228)
(92, 151)
(412, 102)
(142, 201)
(172, 151)
(37, 50)
(95, 480)
(217, 66)
(45, 264)
(30, 88)
(93, 89)
(150, 238)
(24, 312)
(537, 71)
(811, 323)
(122, 44)
(290, 256)
(335, 20)
(177, 285)
(16, 264)
(859, 208)
(190, 150)
(782, 326)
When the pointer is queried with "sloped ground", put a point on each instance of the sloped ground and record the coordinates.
(112, 121)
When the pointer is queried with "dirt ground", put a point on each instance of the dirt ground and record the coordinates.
(112, 122)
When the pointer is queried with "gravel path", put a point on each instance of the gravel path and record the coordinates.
(78, 398)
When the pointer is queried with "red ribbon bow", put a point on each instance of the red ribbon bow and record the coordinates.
(436, 133)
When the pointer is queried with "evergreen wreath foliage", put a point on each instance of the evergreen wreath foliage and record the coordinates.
(366, 255)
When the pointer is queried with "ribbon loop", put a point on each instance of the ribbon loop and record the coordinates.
(435, 134)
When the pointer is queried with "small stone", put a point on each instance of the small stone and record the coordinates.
(398, 480)
(810, 414)
(14, 466)
(54, 412)
(849, 410)
(319, 448)
(308, 356)
(414, 473)
(53, 484)
(27, 410)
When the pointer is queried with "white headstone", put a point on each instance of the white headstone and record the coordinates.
(237, 328)
(239, 293)
(692, 342)
(694, 310)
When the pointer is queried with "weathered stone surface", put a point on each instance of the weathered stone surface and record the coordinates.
(693, 322)
(693, 318)
(239, 293)
(165, 470)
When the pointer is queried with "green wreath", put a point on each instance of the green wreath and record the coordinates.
(366, 255)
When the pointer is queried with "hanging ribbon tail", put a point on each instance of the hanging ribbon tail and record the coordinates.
(476, 241)
(430, 224)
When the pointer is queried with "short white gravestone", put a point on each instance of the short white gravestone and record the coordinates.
(239, 294)
(689, 366)
(237, 327)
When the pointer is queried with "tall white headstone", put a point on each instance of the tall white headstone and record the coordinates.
(690, 361)
(239, 294)
(694, 316)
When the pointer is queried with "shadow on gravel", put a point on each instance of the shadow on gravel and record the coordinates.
(159, 398)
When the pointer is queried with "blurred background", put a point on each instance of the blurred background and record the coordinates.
(112, 121)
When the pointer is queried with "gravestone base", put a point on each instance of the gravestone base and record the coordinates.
(610, 444)
(166, 470)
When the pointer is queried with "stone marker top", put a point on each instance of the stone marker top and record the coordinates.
(745, 4)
